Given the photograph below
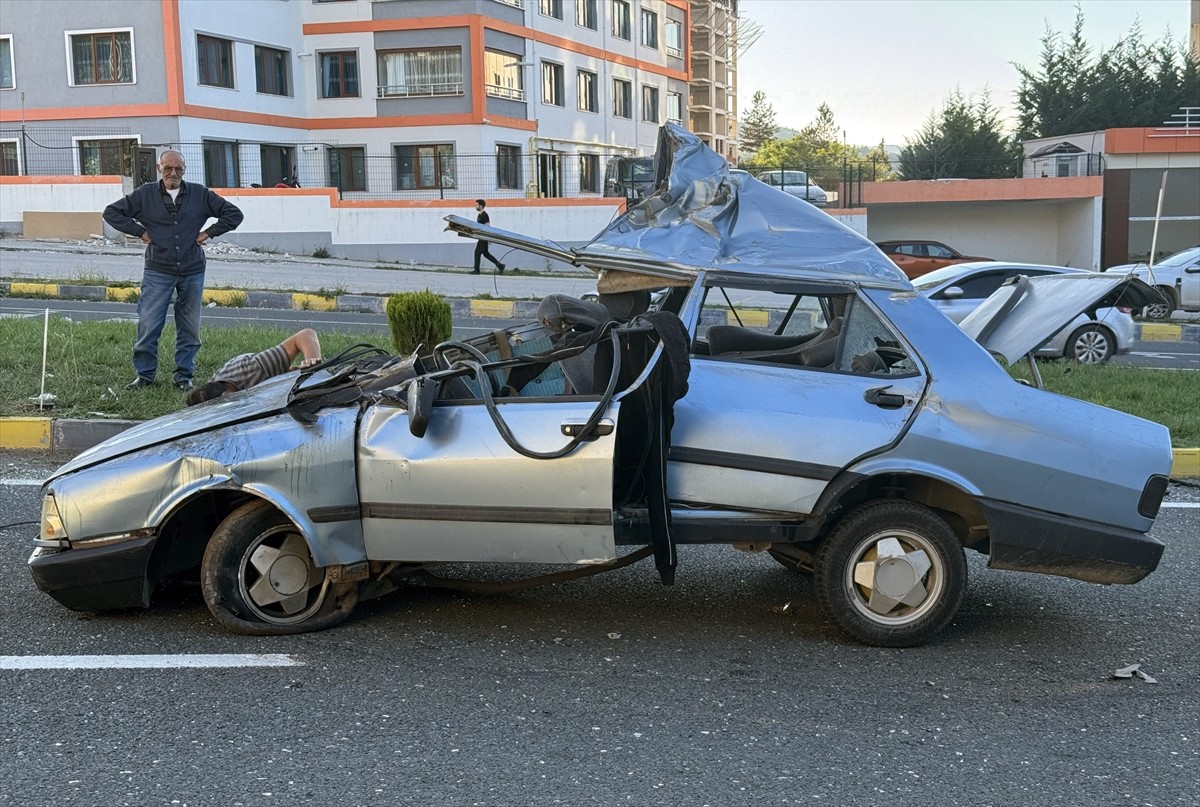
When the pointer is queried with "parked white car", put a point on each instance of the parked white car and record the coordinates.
(958, 290)
(1177, 279)
(797, 183)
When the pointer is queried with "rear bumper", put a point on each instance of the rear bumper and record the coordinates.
(1032, 541)
(98, 579)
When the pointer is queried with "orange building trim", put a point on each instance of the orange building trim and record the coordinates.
(412, 204)
(65, 179)
(981, 190)
(85, 112)
(466, 119)
(1149, 141)
(374, 26)
(173, 55)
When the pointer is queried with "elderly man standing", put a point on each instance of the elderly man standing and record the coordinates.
(168, 216)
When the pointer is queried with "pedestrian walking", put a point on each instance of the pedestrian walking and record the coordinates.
(481, 247)
(244, 371)
(168, 216)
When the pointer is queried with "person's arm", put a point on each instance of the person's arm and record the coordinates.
(227, 214)
(304, 343)
(121, 215)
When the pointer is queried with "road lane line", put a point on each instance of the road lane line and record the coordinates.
(156, 662)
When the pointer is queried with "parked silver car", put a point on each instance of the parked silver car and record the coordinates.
(1177, 279)
(796, 183)
(958, 290)
(785, 390)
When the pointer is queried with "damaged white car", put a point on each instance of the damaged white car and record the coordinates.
(753, 374)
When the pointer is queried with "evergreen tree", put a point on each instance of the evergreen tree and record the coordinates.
(758, 127)
(963, 141)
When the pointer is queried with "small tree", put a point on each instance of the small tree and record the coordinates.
(418, 318)
(758, 127)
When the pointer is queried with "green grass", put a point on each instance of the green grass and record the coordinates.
(90, 362)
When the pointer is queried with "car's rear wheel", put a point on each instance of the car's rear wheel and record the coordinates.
(258, 577)
(1162, 308)
(1090, 344)
(891, 574)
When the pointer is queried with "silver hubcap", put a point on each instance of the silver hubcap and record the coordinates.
(894, 577)
(1157, 311)
(278, 579)
(1091, 347)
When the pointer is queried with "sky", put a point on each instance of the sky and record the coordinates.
(883, 66)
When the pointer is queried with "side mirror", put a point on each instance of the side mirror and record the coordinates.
(421, 392)
(951, 293)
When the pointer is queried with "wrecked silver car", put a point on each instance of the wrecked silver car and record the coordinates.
(753, 373)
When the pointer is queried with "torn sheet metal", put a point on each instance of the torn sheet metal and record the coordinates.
(699, 219)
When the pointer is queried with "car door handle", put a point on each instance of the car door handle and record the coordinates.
(571, 428)
(883, 399)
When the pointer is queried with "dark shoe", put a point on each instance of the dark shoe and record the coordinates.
(184, 386)
(475, 272)
(140, 383)
(500, 266)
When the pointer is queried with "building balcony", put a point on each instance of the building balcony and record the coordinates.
(419, 90)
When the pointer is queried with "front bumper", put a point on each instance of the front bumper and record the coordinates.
(97, 579)
(1032, 541)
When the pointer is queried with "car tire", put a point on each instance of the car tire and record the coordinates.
(1161, 310)
(1090, 344)
(258, 577)
(891, 574)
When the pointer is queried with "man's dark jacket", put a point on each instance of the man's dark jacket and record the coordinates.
(173, 248)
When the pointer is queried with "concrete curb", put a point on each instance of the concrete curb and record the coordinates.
(461, 306)
(55, 434)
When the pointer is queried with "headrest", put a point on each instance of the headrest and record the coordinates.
(562, 312)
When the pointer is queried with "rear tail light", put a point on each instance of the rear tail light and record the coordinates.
(1124, 309)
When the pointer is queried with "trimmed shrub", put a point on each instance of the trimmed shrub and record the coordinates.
(416, 318)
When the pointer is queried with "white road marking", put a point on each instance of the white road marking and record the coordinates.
(164, 662)
(22, 482)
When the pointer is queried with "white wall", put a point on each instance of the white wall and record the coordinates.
(59, 198)
(1029, 232)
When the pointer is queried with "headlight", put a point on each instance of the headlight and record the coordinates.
(52, 533)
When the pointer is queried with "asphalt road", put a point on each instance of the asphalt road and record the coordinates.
(730, 688)
(1169, 355)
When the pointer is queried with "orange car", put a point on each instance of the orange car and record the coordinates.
(915, 258)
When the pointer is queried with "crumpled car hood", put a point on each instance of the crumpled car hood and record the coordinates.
(701, 219)
(265, 399)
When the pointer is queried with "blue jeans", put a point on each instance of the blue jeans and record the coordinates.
(157, 290)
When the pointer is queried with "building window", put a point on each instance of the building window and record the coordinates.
(7, 77)
(675, 107)
(503, 74)
(221, 169)
(10, 159)
(347, 168)
(339, 74)
(425, 166)
(278, 164)
(649, 29)
(621, 19)
(622, 98)
(550, 8)
(214, 59)
(508, 166)
(404, 73)
(589, 173)
(552, 84)
(102, 57)
(271, 71)
(674, 37)
(585, 14)
(588, 98)
(649, 104)
(107, 157)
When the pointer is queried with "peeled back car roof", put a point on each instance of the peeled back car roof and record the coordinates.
(697, 220)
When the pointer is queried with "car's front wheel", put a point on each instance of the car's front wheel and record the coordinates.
(891, 574)
(1090, 344)
(258, 577)
(1161, 308)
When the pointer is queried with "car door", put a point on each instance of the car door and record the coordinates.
(1189, 286)
(972, 290)
(461, 492)
(768, 431)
